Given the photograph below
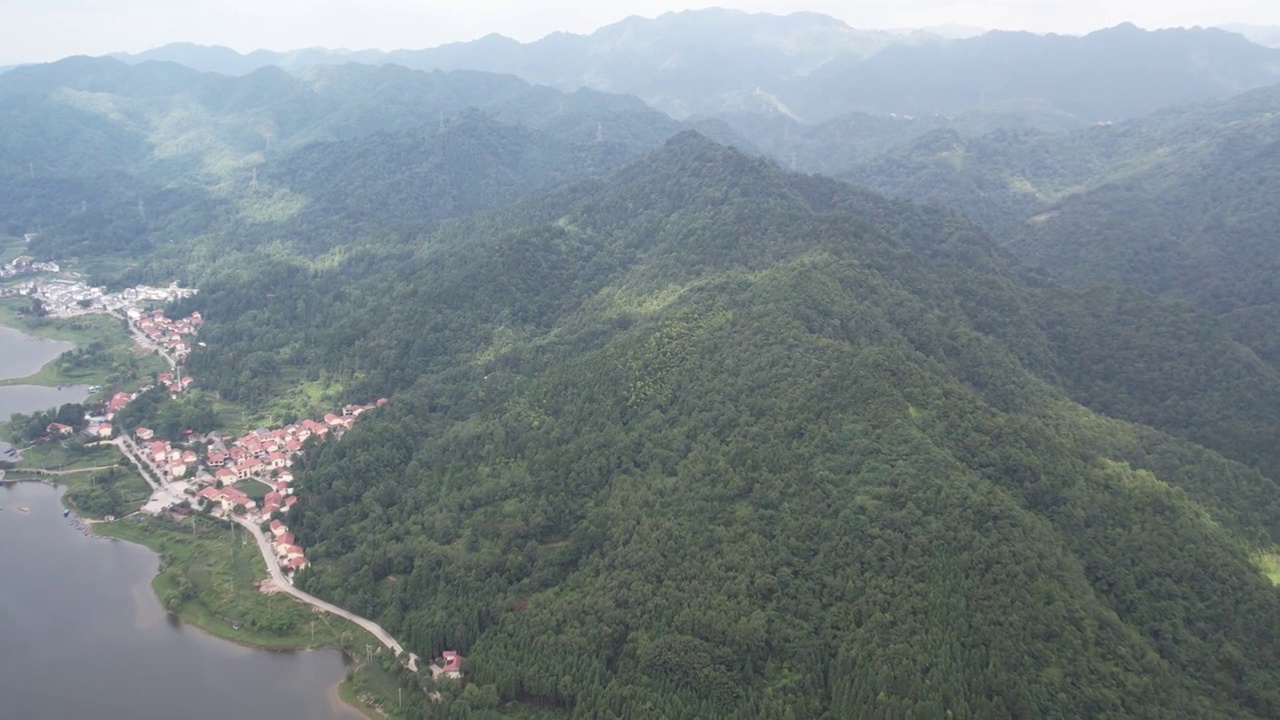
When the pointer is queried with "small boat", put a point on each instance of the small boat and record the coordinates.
(66, 512)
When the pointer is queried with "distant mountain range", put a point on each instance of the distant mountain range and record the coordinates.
(812, 67)
(1268, 35)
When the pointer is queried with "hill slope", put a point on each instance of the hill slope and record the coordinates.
(102, 157)
(704, 438)
(1177, 204)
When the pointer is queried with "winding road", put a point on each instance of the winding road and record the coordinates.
(268, 555)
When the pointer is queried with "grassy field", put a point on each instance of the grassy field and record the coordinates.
(295, 400)
(63, 455)
(351, 695)
(254, 489)
(1269, 564)
(105, 352)
(11, 247)
(97, 485)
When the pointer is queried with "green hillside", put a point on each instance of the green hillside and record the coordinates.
(674, 432)
(704, 438)
(1179, 203)
(105, 158)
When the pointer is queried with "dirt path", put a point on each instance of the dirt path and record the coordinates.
(38, 471)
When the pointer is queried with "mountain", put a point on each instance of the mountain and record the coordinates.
(682, 63)
(456, 169)
(676, 432)
(1268, 35)
(1108, 75)
(851, 428)
(100, 154)
(225, 61)
(815, 68)
(1177, 203)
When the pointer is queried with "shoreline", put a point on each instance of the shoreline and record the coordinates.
(82, 331)
(347, 707)
(49, 377)
(94, 525)
(36, 378)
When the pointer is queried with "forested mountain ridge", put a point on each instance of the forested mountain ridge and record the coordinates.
(103, 157)
(165, 111)
(814, 67)
(1107, 75)
(706, 438)
(1179, 203)
(683, 63)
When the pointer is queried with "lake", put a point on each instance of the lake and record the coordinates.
(82, 635)
(20, 356)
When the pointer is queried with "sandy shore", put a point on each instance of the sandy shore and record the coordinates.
(340, 706)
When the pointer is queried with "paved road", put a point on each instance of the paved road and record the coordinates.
(269, 555)
(130, 450)
(146, 342)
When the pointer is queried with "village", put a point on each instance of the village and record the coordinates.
(228, 477)
(24, 264)
(221, 477)
(246, 480)
(69, 298)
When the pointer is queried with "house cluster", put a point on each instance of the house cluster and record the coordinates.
(290, 555)
(174, 383)
(261, 456)
(26, 264)
(174, 462)
(99, 429)
(171, 335)
(118, 402)
(227, 497)
(64, 298)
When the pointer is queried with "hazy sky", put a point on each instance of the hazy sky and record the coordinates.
(40, 30)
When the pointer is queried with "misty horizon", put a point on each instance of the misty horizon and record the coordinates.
(270, 27)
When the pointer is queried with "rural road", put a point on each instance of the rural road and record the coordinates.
(145, 342)
(269, 555)
(131, 450)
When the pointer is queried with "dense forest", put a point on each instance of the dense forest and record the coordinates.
(872, 403)
(677, 432)
(1177, 203)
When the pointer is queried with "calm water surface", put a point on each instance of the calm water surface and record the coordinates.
(20, 356)
(82, 635)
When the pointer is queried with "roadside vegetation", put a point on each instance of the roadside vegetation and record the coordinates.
(210, 577)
